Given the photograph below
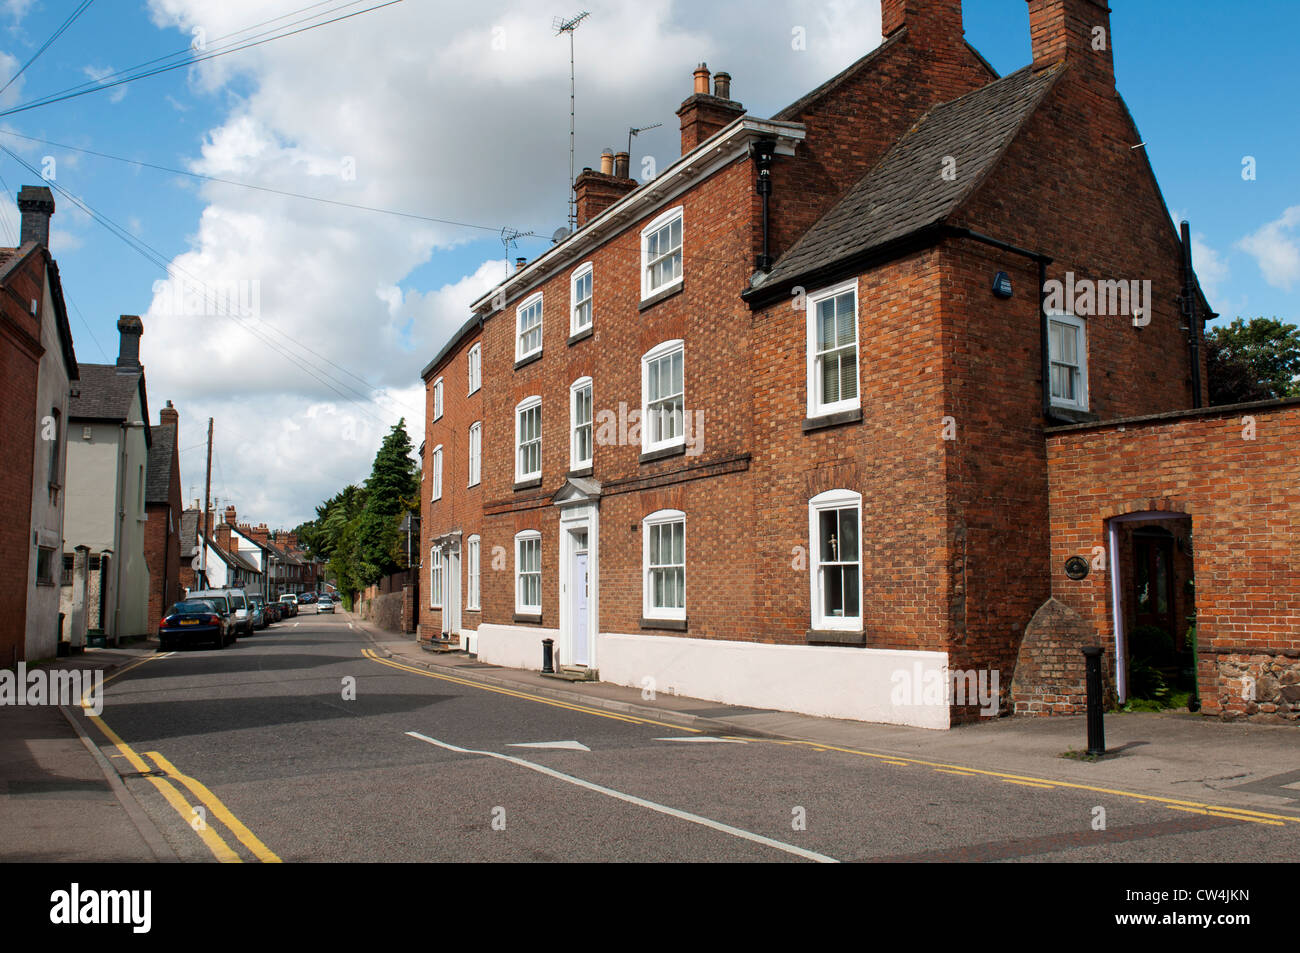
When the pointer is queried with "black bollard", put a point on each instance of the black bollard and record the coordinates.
(548, 655)
(1096, 729)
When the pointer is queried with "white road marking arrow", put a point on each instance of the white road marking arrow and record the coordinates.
(566, 745)
(700, 739)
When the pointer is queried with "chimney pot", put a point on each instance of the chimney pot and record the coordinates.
(607, 162)
(519, 263)
(722, 85)
(621, 160)
(702, 78)
(36, 204)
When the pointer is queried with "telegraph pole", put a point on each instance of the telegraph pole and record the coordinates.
(207, 510)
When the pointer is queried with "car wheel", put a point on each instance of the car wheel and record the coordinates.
(163, 645)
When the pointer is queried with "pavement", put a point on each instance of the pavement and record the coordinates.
(60, 799)
(1173, 755)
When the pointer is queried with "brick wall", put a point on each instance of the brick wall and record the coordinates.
(20, 353)
(1243, 498)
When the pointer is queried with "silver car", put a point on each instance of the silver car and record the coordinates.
(324, 604)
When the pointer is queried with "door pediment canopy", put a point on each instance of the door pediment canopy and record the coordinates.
(577, 491)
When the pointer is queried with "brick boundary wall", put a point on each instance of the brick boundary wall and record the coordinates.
(1235, 472)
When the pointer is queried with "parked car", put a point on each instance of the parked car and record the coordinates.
(233, 602)
(324, 604)
(196, 620)
(257, 609)
(306, 597)
(273, 612)
(290, 601)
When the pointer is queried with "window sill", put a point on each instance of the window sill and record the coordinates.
(525, 361)
(528, 618)
(1073, 415)
(662, 294)
(663, 453)
(582, 335)
(530, 484)
(835, 637)
(832, 420)
(580, 472)
(668, 625)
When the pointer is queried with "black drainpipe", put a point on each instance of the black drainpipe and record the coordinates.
(1043, 262)
(1189, 313)
(763, 152)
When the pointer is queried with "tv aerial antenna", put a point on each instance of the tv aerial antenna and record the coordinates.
(510, 237)
(568, 26)
(636, 131)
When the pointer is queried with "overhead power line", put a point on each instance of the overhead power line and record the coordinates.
(100, 86)
(160, 261)
(248, 185)
(72, 17)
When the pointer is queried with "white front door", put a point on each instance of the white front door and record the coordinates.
(579, 588)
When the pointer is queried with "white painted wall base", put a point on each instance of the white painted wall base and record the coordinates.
(827, 681)
(513, 646)
(468, 640)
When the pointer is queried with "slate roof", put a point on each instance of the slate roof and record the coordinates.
(158, 475)
(906, 192)
(189, 533)
(104, 394)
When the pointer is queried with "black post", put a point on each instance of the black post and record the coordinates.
(548, 655)
(1096, 729)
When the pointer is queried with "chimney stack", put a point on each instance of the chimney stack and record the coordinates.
(169, 417)
(36, 203)
(230, 514)
(1076, 31)
(597, 191)
(931, 24)
(704, 114)
(129, 328)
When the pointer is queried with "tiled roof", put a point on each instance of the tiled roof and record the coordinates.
(159, 472)
(906, 191)
(103, 394)
(189, 532)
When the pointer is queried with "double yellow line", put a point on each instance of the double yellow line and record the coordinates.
(1193, 807)
(194, 817)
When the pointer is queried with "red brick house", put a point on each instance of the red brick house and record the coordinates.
(816, 419)
(162, 531)
(37, 364)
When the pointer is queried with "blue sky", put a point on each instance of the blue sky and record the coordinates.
(437, 132)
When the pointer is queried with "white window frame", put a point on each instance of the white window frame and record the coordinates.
(586, 270)
(473, 551)
(1081, 370)
(648, 290)
(576, 388)
(816, 407)
(437, 399)
(666, 349)
(437, 473)
(525, 405)
(525, 608)
(527, 305)
(475, 453)
(831, 500)
(435, 578)
(474, 362)
(648, 609)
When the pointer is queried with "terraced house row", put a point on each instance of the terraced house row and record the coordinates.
(864, 395)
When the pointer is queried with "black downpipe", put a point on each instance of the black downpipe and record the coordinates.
(763, 152)
(1191, 316)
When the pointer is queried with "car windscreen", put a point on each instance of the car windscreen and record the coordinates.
(191, 607)
(237, 601)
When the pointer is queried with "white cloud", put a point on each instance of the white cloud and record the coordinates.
(1276, 247)
(435, 122)
(99, 74)
(1210, 267)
